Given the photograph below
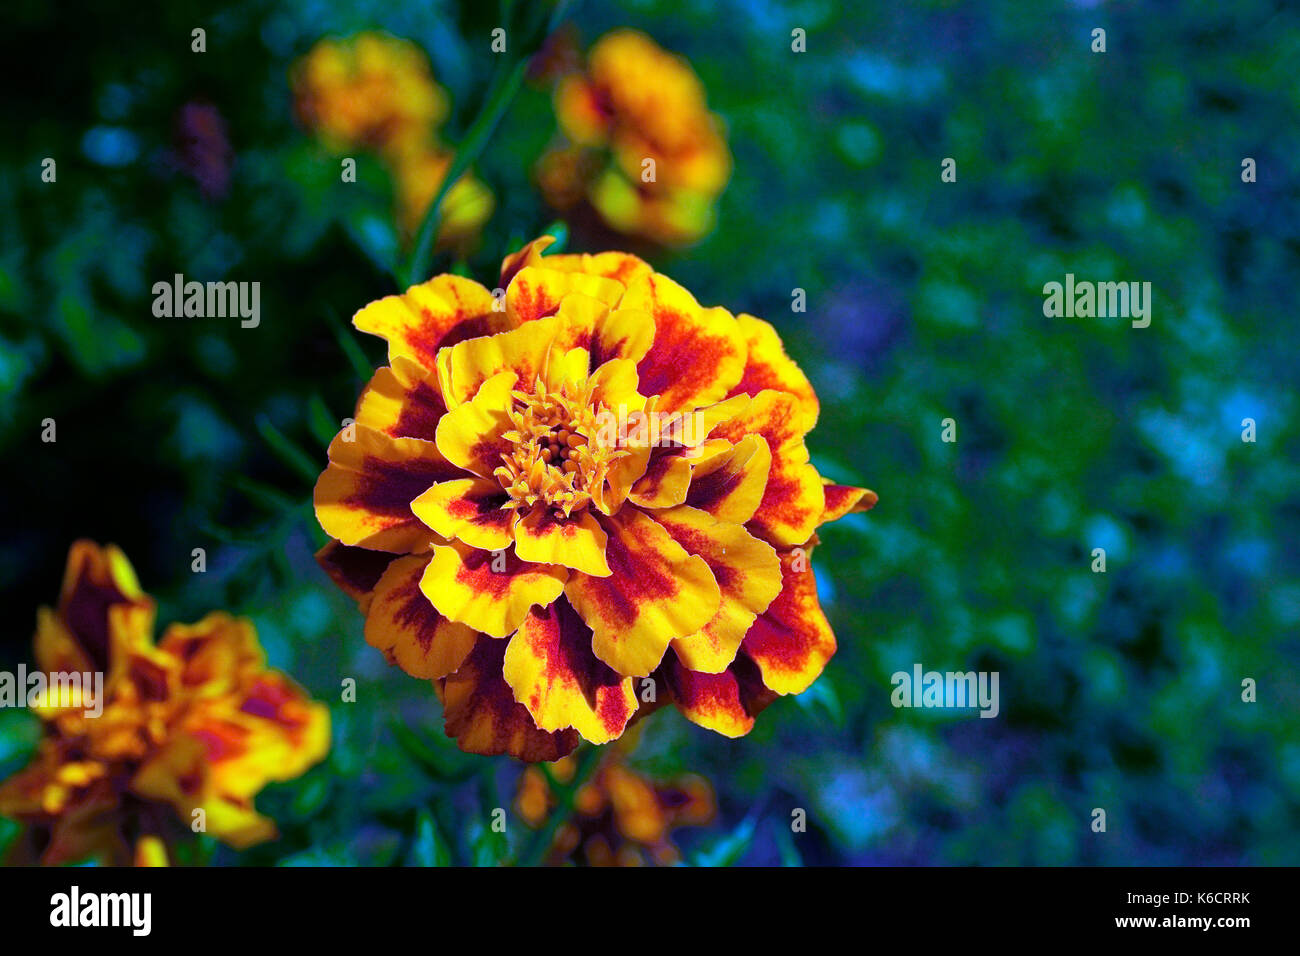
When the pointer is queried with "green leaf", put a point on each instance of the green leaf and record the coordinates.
(727, 850)
(430, 849)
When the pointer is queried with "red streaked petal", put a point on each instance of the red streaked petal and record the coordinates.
(726, 703)
(488, 591)
(474, 510)
(484, 717)
(408, 630)
(656, 592)
(437, 313)
(792, 640)
(364, 496)
(553, 672)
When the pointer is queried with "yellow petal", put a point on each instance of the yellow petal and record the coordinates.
(550, 667)
(577, 542)
(655, 593)
(748, 573)
(488, 591)
(364, 496)
(474, 510)
(698, 355)
(406, 627)
(445, 310)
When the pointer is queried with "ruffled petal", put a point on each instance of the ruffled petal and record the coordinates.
(748, 573)
(726, 703)
(484, 717)
(656, 592)
(443, 311)
(553, 672)
(792, 640)
(355, 570)
(793, 499)
(403, 401)
(767, 366)
(537, 291)
(474, 510)
(465, 585)
(844, 499)
(729, 483)
(364, 496)
(470, 435)
(526, 351)
(406, 627)
(698, 355)
(577, 542)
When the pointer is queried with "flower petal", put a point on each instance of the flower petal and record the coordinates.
(464, 367)
(470, 434)
(440, 312)
(729, 484)
(402, 401)
(553, 672)
(656, 592)
(464, 584)
(767, 366)
(577, 542)
(843, 499)
(792, 640)
(474, 510)
(698, 355)
(484, 717)
(726, 703)
(793, 499)
(409, 630)
(364, 496)
(536, 291)
(748, 573)
(355, 570)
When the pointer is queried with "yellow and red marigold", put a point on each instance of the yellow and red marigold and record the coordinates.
(376, 92)
(370, 91)
(193, 722)
(636, 105)
(507, 544)
(620, 817)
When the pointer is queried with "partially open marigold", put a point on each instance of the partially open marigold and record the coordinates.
(370, 91)
(640, 143)
(194, 722)
(376, 92)
(620, 817)
(593, 481)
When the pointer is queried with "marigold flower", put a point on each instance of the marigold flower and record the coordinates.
(636, 104)
(591, 481)
(376, 92)
(196, 721)
(620, 817)
(418, 175)
(371, 91)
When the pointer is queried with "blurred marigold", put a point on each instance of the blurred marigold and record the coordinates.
(640, 143)
(620, 817)
(370, 91)
(588, 481)
(194, 722)
(376, 92)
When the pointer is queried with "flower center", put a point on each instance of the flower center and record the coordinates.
(560, 456)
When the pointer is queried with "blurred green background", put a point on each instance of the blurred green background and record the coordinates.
(1119, 690)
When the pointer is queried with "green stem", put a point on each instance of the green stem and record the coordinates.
(566, 795)
(505, 85)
